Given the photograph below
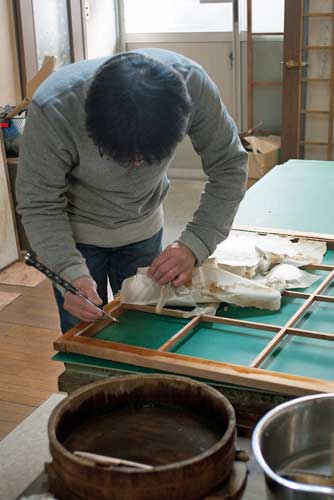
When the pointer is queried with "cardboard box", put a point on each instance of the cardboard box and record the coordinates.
(263, 154)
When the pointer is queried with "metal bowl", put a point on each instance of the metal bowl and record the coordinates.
(294, 445)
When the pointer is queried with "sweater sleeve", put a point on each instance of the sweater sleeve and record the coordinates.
(215, 138)
(46, 158)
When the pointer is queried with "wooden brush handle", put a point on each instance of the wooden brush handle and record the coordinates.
(105, 460)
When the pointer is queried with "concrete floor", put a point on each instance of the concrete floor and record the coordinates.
(180, 204)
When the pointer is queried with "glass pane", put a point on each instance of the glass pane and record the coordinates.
(320, 5)
(288, 307)
(303, 356)
(320, 317)
(316, 127)
(152, 16)
(268, 107)
(330, 291)
(312, 152)
(224, 343)
(319, 31)
(315, 95)
(52, 31)
(268, 16)
(267, 55)
(142, 329)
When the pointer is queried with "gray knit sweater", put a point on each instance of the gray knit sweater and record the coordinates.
(67, 193)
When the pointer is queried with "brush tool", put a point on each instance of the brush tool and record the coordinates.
(31, 260)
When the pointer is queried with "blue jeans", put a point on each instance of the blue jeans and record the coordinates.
(115, 264)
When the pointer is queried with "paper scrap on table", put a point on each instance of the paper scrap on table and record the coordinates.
(247, 253)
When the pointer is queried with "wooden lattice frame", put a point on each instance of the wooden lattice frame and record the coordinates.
(297, 81)
(80, 340)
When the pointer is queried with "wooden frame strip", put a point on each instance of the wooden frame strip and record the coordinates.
(210, 319)
(195, 367)
(180, 334)
(298, 332)
(250, 68)
(267, 84)
(314, 111)
(320, 298)
(298, 314)
(328, 238)
(293, 36)
(318, 47)
(314, 143)
(314, 80)
(319, 14)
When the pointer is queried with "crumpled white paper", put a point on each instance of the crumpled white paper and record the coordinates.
(285, 276)
(247, 253)
(247, 269)
(209, 284)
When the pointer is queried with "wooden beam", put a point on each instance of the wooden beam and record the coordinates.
(293, 29)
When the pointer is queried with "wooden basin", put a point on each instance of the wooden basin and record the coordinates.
(183, 428)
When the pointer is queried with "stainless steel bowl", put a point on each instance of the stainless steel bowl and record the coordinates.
(294, 445)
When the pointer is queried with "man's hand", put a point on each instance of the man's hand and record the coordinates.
(174, 264)
(77, 306)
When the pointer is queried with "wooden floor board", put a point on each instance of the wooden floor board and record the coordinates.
(13, 412)
(28, 327)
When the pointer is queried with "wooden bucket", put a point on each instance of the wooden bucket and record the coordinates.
(183, 428)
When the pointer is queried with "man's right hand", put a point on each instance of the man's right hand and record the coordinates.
(77, 306)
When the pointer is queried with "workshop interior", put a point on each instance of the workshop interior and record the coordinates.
(167, 250)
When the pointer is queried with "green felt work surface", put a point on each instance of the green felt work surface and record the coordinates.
(225, 343)
(329, 258)
(142, 329)
(306, 357)
(319, 317)
(288, 308)
(329, 290)
(294, 196)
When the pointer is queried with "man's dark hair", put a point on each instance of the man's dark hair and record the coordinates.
(137, 108)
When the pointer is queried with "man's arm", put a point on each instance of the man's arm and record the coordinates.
(46, 158)
(215, 138)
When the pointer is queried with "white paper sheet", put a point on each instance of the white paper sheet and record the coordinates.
(209, 284)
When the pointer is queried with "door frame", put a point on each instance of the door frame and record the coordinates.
(293, 30)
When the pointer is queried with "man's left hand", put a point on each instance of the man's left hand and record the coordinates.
(175, 264)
